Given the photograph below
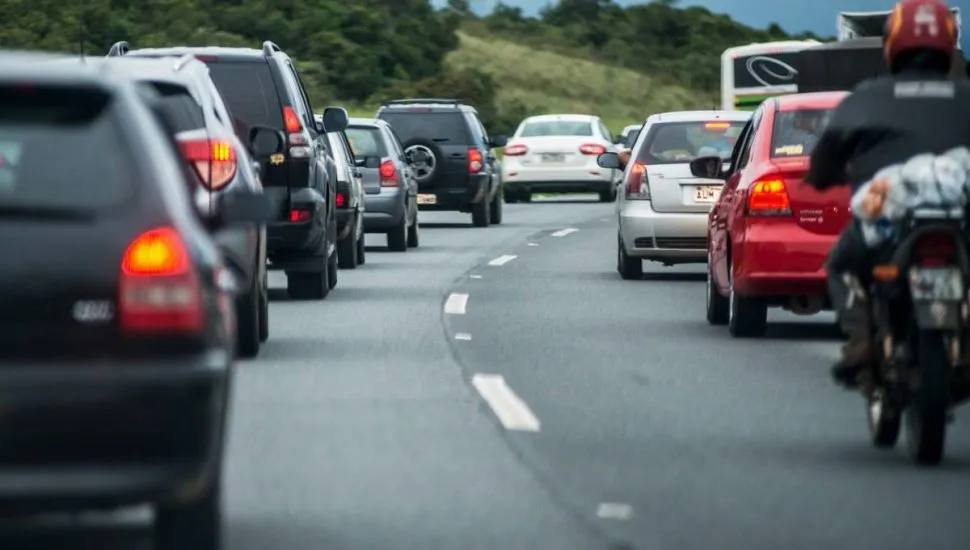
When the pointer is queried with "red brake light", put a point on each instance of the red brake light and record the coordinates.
(768, 197)
(291, 120)
(214, 161)
(516, 150)
(592, 149)
(388, 174)
(935, 249)
(637, 185)
(300, 215)
(159, 291)
(475, 158)
(341, 200)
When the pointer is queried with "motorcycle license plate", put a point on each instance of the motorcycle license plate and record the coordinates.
(936, 284)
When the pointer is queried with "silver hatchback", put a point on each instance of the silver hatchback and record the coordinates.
(661, 208)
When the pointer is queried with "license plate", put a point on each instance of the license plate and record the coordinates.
(707, 193)
(427, 198)
(553, 157)
(938, 283)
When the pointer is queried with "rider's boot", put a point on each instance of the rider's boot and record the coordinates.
(854, 319)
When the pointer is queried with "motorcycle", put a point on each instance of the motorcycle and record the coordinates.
(921, 330)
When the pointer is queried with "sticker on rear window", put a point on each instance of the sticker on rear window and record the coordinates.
(790, 150)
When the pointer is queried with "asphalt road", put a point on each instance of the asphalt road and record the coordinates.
(503, 388)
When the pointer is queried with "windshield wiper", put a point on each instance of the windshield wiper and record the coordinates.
(38, 212)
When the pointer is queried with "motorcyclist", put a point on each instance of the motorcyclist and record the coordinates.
(915, 109)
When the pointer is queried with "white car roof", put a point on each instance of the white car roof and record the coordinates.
(570, 117)
(700, 116)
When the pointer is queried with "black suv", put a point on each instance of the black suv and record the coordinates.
(452, 156)
(262, 88)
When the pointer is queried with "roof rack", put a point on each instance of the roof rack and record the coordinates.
(270, 47)
(426, 101)
(118, 49)
(181, 62)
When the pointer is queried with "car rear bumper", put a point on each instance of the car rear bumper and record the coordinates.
(108, 434)
(662, 236)
(779, 258)
(457, 197)
(383, 211)
(517, 177)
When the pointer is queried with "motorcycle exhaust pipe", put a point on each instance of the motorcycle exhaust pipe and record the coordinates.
(806, 305)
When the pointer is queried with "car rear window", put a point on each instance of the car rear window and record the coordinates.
(248, 90)
(365, 141)
(795, 133)
(682, 142)
(446, 128)
(59, 148)
(556, 128)
(182, 109)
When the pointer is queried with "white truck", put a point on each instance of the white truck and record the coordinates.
(864, 24)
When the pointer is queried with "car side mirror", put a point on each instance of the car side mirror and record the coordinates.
(610, 161)
(265, 141)
(245, 207)
(707, 167)
(499, 141)
(335, 119)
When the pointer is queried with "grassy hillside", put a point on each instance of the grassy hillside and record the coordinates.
(549, 82)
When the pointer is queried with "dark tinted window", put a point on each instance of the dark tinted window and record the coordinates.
(681, 142)
(182, 109)
(366, 141)
(795, 132)
(248, 90)
(631, 138)
(557, 128)
(59, 148)
(441, 127)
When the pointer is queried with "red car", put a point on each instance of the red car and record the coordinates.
(769, 233)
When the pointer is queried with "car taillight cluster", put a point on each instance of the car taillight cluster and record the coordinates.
(592, 149)
(299, 143)
(935, 249)
(300, 215)
(388, 174)
(516, 150)
(212, 159)
(637, 184)
(475, 161)
(768, 197)
(341, 200)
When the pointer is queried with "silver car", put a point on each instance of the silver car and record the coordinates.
(661, 208)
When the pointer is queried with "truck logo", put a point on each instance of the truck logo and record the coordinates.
(765, 69)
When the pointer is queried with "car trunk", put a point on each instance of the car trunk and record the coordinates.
(554, 151)
(822, 212)
(674, 189)
(372, 178)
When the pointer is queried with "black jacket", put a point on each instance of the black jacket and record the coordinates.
(888, 120)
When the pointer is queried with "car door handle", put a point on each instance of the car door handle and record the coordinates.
(456, 155)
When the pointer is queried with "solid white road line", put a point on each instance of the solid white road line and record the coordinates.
(614, 510)
(456, 304)
(502, 260)
(533, 244)
(564, 232)
(463, 336)
(511, 411)
(474, 276)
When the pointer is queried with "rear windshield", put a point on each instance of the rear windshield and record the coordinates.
(556, 128)
(60, 149)
(365, 141)
(182, 109)
(681, 142)
(795, 132)
(440, 127)
(248, 90)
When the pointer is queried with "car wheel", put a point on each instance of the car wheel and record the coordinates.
(397, 238)
(481, 213)
(629, 268)
(347, 252)
(332, 272)
(526, 196)
(717, 305)
(608, 196)
(747, 317)
(247, 323)
(264, 310)
(495, 212)
(308, 286)
(414, 238)
(510, 198)
(197, 525)
(361, 249)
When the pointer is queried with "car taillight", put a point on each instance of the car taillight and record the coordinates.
(159, 291)
(475, 164)
(213, 160)
(592, 149)
(298, 141)
(388, 174)
(516, 150)
(341, 200)
(300, 215)
(637, 184)
(768, 197)
(935, 249)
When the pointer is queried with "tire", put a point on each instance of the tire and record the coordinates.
(308, 286)
(608, 196)
(425, 171)
(248, 323)
(264, 313)
(361, 249)
(332, 270)
(628, 267)
(510, 198)
(495, 211)
(195, 526)
(884, 421)
(347, 252)
(526, 197)
(926, 416)
(397, 238)
(414, 237)
(717, 305)
(747, 317)
(481, 213)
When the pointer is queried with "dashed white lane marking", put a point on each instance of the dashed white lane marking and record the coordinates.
(502, 260)
(463, 336)
(456, 304)
(564, 232)
(614, 510)
(474, 276)
(511, 411)
(533, 244)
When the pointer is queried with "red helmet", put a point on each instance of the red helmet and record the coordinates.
(920, 24)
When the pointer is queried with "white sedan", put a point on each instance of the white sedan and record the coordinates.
(557, 154)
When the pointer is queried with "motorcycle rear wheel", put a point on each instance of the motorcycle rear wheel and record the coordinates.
(926, 416)
(884, 421)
